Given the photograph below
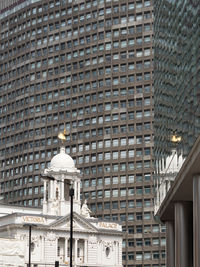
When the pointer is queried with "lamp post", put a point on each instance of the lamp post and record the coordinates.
(29, 246)
(29, 254)
(71, 194)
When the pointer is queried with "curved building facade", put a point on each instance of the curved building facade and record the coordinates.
(83, 66)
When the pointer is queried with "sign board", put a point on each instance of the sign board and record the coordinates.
(33, 219)
(108, 225)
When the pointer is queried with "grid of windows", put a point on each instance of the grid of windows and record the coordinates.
(185, 112)
(86, 67)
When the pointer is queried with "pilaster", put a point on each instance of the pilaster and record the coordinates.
(196, 220)
(183, 234)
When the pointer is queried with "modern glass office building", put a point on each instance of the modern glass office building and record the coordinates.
(177, 87)
(83, 66)
(177, 83)
(177, 126)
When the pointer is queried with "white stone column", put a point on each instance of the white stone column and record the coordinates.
(54, 188)
(75, 190)
(51, 190)
(62, 189)
(45, 191)
(44, 198)
(115, 252)
(66, 249)
(56, 247)
(42, 255)
(78, 183)
(118, 253)
(75, 251)
(85, 251)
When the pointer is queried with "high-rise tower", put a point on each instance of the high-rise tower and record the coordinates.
(176, 61)
(177, 86)
(177, 126)
(85, 66)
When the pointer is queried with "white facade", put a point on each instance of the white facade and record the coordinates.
(173, 164)
(95, 243)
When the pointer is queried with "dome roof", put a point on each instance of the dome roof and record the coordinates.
(62, 162)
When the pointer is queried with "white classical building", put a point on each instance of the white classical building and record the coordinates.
(95, 243)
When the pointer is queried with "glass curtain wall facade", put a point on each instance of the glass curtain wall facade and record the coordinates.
(85, 66)
(177, 88)
(177, 83)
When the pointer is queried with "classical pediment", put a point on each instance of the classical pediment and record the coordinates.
(80, 224)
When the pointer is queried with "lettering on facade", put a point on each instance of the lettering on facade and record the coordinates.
(33, 219)
(107, 225)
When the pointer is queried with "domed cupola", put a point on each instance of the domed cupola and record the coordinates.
(58, 178)
(62, 162)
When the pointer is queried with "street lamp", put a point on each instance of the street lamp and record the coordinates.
(71, 194)
(29, 247)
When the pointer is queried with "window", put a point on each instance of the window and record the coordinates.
(131, 153)
(139, 216)
(147, 216)
(163, 254)
(163, 241)
(123, 179)
(107, 193)
(107, 181)
(131, 242)
(99, 194)
(115, 155)
(123, 154)
(36, 190)
(155, 254)
(123, 192)
(115, 205)
(93, 182)
(123, 167)
(147, 3)
(122, 204)
(155, 228)
(107, 205)
(131, 141)
(107, 155)
(138, 203)
(124, 256)
(115, 192)
(123, 217)
(115, 180)
(107, 143)
(139, 242)
(147, 190)
(86, 183)
(147, 255)
(131, 191)
(123, 141)
(93, 195)
(138, 256)
(131, 229)
(130, 256)
(155, 241)
(147, 203)
(130, 217)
